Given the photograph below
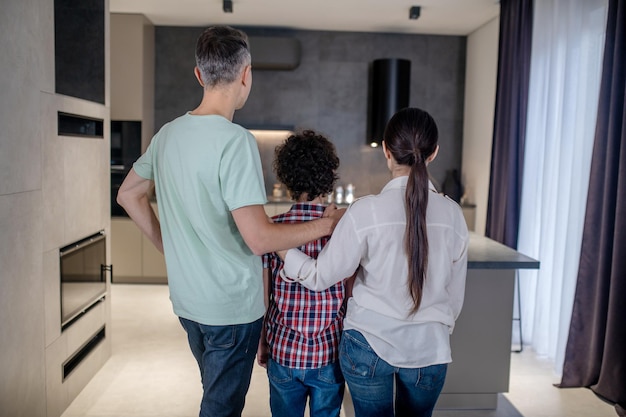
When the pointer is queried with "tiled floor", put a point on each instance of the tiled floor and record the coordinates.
(152, 373)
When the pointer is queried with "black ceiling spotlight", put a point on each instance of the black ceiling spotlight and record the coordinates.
(414, 12)
(228, 6)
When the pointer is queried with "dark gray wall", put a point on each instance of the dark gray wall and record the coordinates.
(329, 91)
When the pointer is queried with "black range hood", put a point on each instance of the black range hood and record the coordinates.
(391, 80)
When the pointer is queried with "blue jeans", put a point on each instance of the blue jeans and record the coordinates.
(289, 389)
(225, 355)
(371, 382)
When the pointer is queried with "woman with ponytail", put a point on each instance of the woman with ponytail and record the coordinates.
(408, 245)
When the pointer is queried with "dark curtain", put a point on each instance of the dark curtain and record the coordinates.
(595, 355)
(507, 156)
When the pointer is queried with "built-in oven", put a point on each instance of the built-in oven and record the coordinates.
(82, 276)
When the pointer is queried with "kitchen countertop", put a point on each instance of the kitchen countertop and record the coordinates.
(287, 201)
(486, 253)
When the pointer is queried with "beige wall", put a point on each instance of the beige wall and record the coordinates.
(126, 65)
(53, 190)
(132, 71)
(480, 96)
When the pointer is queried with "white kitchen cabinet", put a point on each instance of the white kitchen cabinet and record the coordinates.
(152, 261)
(126, 241)
(135, 259)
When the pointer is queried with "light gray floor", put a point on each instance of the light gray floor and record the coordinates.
(153, 374)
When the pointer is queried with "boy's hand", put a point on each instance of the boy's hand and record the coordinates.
(262, 352)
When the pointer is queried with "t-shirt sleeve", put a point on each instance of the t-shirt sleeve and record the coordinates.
(143, 165)
(241, 175)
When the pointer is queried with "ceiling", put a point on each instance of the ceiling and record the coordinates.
(439, 17)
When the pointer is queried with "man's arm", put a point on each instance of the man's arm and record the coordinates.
(263, 236)
(133, 197)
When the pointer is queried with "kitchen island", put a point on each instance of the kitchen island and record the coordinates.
(481, 341)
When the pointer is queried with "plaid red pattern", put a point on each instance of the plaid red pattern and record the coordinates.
(303, 327)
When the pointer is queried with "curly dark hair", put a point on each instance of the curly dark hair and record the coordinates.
(306, 163)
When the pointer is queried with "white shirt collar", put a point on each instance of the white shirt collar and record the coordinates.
(400, 182)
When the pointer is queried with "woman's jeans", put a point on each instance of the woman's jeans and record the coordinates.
(290, 388)
(225, 355)
(371, 382)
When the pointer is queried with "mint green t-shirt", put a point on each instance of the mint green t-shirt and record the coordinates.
(203, 168)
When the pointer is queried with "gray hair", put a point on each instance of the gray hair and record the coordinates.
(221, 54)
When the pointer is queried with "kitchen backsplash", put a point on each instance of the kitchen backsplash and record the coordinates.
(329, 92)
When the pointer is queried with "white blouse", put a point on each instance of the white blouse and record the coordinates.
(370, 238)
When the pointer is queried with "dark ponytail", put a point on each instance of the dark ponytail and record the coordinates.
(411, 136)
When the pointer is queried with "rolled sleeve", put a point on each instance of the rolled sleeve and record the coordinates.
(456, 288)
(297, 267)
(337, 261)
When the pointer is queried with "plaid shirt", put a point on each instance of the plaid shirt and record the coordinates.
(303, 327)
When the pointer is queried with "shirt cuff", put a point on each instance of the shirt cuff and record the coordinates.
(294, 261)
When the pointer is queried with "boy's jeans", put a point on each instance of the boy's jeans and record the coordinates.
(371, 382)
(290, 388)
(225, 355)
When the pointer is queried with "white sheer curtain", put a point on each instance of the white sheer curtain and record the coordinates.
(568, 42)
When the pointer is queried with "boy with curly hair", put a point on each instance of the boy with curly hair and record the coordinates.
(302, 328)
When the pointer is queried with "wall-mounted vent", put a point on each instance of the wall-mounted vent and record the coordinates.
(73, 361)
(391, 81)
(76, 125)
(274, 53)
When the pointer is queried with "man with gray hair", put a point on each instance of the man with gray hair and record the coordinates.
(212, 226)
